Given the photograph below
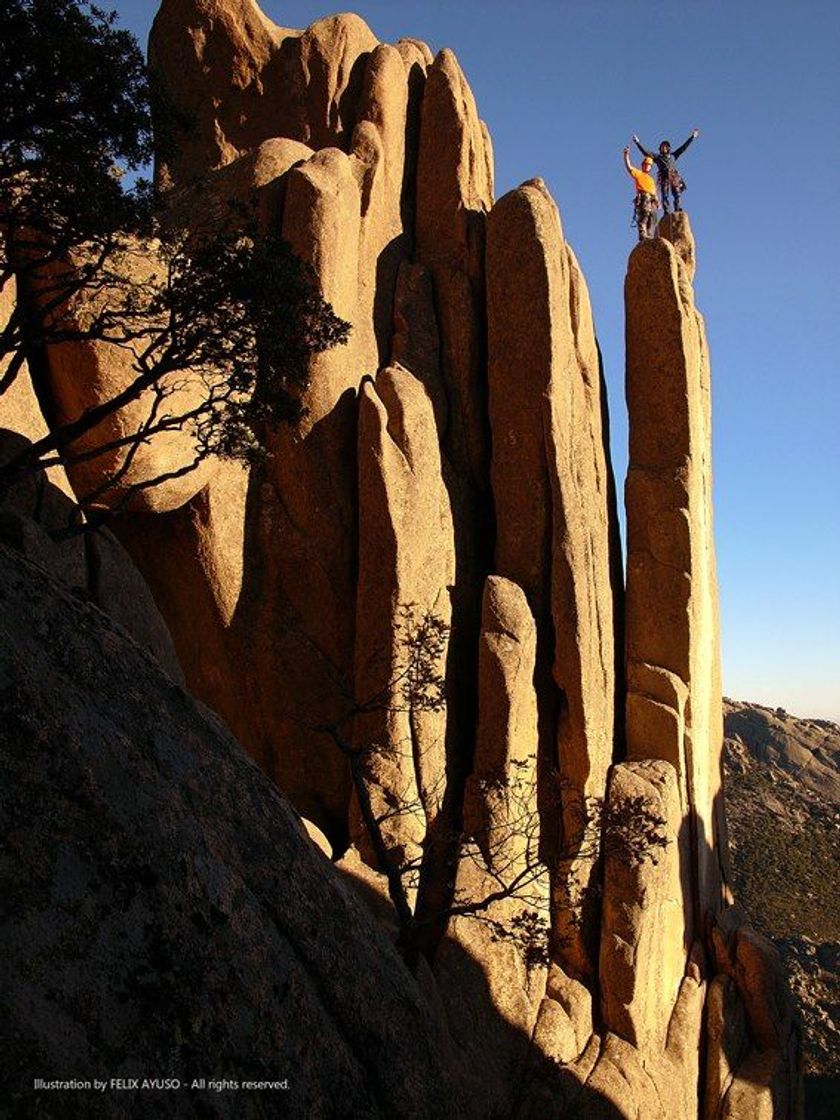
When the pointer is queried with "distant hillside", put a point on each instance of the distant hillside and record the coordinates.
(783, 812)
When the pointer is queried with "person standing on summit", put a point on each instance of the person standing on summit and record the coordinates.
(645, 204)
(666, 166)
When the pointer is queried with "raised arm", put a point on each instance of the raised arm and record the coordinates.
(641, 147)
(627, 162)
(683, 147)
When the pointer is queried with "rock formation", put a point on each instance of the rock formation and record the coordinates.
(173, 920)
(40, 506)
(552, 492)
(673, 662)
(545, 773)
(674, 704)
(407, 557)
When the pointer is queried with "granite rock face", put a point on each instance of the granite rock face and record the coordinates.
(82, 375)
(642, 947)
(407, 557)
(555, 522)
(452, 472)
(38, 509)
(174, 916)
(674, 700)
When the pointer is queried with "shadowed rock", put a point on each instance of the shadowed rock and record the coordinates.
(173, 915)
(454, 192)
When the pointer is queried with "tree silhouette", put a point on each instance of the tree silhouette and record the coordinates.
(75, 128)
(218, 324)
(505, 845)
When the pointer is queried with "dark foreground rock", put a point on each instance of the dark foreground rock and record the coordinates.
(166, 915)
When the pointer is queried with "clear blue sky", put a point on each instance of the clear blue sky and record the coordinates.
(563, 86)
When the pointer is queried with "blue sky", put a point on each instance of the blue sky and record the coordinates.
(563, 86)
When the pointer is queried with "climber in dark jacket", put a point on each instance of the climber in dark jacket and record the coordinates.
(666, 167)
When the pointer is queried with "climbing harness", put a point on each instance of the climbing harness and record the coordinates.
(676, 180)
(644, 206)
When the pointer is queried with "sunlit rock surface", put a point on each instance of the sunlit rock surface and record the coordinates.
(453, 464)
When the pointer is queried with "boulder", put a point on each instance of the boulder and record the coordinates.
(42, 500)
(119, 466)
(193, 559)
(41, 505)
(20, 409)
(564, 1026)
(253, 185)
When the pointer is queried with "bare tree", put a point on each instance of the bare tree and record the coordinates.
(504, 845)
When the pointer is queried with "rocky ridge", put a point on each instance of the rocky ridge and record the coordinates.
(783, 809)
(454, 464)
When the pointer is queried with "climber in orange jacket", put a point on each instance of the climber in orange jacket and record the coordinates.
(646, 202)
